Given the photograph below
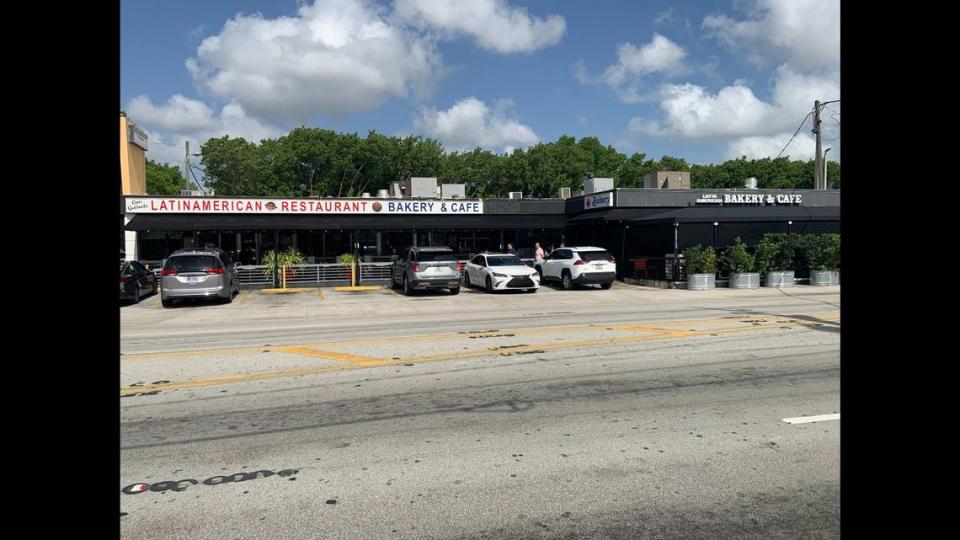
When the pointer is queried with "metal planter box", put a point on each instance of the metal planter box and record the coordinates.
(830, 277)
(779, 279)
(744, 280)
(701, 282)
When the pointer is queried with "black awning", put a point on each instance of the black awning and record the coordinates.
(707, 214)
(229, 222)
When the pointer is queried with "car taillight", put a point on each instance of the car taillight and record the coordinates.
(123, 279)
(169, 272)
(459, 267)
(580, 261)
(214, 270)
(415, 267)
(611, 259)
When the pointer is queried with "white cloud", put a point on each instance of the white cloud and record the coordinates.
(691, 112)
(664, 17)
(178, 114)
(470, 123)
(493, 24)
(183, 119)
(804, 33)
(802, 147)
(659, 56)
(633, 63)
(334, 58)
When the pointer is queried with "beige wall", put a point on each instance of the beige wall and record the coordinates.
(133, 164)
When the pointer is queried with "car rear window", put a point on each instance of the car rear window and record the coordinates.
(595, 255)
(512, 260)
(429, 256)
(191, 263)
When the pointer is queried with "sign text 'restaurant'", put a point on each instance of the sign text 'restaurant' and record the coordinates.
(213, 205)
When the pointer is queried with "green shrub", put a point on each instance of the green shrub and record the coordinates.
(736, 258)
(822, 252)
(700, 260)
(776, 252)
(275, 260)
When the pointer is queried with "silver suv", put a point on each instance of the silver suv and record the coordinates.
(421, 268)
(198, 273)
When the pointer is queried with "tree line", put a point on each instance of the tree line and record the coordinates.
(319, 162)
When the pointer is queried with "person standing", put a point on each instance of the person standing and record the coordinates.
(538, 254)
(510, 249)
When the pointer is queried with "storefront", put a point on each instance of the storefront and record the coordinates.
(630, 223)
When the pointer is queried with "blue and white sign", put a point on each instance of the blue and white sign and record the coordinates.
(602, 200)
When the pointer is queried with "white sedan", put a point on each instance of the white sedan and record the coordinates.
(500, 272)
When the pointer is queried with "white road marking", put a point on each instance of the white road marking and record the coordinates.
(807, 419)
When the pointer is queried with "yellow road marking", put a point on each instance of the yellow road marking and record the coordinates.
(320, 293)
(359, 362)
(244, 296)
(651, 326)
(341, 357)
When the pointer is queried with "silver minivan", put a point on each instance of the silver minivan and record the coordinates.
(198, 273)
(421, 268)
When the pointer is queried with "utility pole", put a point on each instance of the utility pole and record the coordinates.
(818, 163)
(186, 161)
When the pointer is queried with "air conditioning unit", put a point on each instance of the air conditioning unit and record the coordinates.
(516, 195)
(564, 193)
(190, 193)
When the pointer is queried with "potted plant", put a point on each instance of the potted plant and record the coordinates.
(349, 259)
(741, 265)
(823, 256)
(280, 262)
(775, 254)
(701, 267)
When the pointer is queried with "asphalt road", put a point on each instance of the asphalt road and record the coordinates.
(617, 414)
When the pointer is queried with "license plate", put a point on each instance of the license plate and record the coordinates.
(193, 279)
(597, 266)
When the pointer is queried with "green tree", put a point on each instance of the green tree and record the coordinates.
(164, 179)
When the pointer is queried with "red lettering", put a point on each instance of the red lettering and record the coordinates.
(364, 205)
(206, 206)
(152, 205)
(337, 206)
(163, 205)
(258, 205)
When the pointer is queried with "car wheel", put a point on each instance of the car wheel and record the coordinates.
(466, 280)
(531, 290)
(136, 295)
(567, 281)
(489, 285)
(406, 287)
(606, 285)
(166, 303)
(229, 297)
(455, 290)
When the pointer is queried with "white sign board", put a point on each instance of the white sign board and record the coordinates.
(598, 201)
(217, 205)
(136, 135)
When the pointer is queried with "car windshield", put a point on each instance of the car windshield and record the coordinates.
(595, 255)
(430, 256)
(191, 263)
(511, 260)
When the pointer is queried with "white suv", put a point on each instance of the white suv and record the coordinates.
(579, 265)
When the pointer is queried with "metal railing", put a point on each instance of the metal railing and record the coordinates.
(656, 268)
(375, 271)
(253, 275)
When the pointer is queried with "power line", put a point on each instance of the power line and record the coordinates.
(802, 123)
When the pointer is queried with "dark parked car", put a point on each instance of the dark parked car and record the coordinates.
(136, 281)
(198, 273)
(421, 268)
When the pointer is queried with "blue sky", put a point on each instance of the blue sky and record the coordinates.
(703, 80)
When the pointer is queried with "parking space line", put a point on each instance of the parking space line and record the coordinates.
(808, 419)
(320, 293)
